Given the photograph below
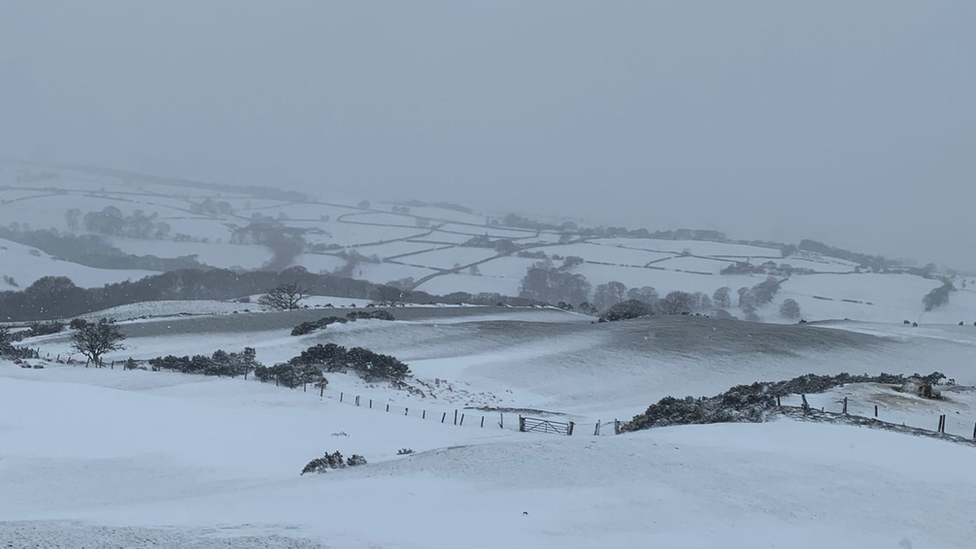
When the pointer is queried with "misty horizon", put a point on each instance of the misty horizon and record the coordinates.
(848, 124)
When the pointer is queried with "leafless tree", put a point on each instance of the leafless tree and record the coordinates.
(675, 303)
(95, 339)
(790, 309)
(284, 297)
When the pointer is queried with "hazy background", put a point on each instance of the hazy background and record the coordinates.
(850, 122)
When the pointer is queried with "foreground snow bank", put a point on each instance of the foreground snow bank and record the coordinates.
(185, 462)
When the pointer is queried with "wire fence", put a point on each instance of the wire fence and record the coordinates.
(937, 420)
(469, 417)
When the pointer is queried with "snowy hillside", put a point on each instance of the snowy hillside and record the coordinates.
(146, 459)
(436, 249)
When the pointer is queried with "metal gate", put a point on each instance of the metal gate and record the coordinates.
(531, 424)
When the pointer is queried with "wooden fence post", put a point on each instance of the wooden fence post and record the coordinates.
(482, 422)
(462, 419)
(616, 427)
(370, 404)
(340, 396)
(974, 432)
(778, 402)
(357, 400)
(321, 390)
(521, 424)
(845, 406)
(388, 407)
(875, 410)
(424, 416)
(501, 420)
(455, 417)
(596, 431)
(443, 417)
(569, 430)
(805, 405)
(406, 411)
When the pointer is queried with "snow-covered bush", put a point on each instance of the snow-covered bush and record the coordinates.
(333, 461)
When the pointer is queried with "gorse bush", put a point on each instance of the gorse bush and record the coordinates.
(333, 461)
(308, 327)
(369, 365)
(220, 363)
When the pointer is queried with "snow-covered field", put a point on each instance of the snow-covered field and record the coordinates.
(432, 237)
(24, 265)
(146, 459)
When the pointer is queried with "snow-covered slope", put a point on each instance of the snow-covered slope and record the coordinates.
(140, 459)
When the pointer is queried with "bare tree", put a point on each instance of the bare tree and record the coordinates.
(284, 297)
(790, 309)
(723, 297)
(675, 303)
(95, 339)
(388, 295)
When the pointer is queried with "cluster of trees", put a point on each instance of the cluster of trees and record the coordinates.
(58, 297)
(761, 294)
(285, 243)
(333, 461)
(938, 296)
(311, 326)
(546, 283)
(209, 206)
(92, 250)
(110, 221)
(875, 262)
(741, 267)
(220, 363)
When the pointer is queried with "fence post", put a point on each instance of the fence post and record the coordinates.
(370, 404)
(455, 417)
(974, 432)
(443, 417)
(304, 387)
(521, 424)
(387, 406)
(845, 406)
(462, 419)
(357, 400)
(406, 411)
(778, 403)
(875, 410)
(596, 431)
(482, 422)
(424, 416)
(805, 405)
(569, 430)
(501, 421)
(321, 391)
(113, 364)
(340, 396)
(616, 427)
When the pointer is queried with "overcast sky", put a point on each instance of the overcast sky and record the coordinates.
(850, 122)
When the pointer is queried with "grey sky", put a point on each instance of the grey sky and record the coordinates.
(851, 122)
